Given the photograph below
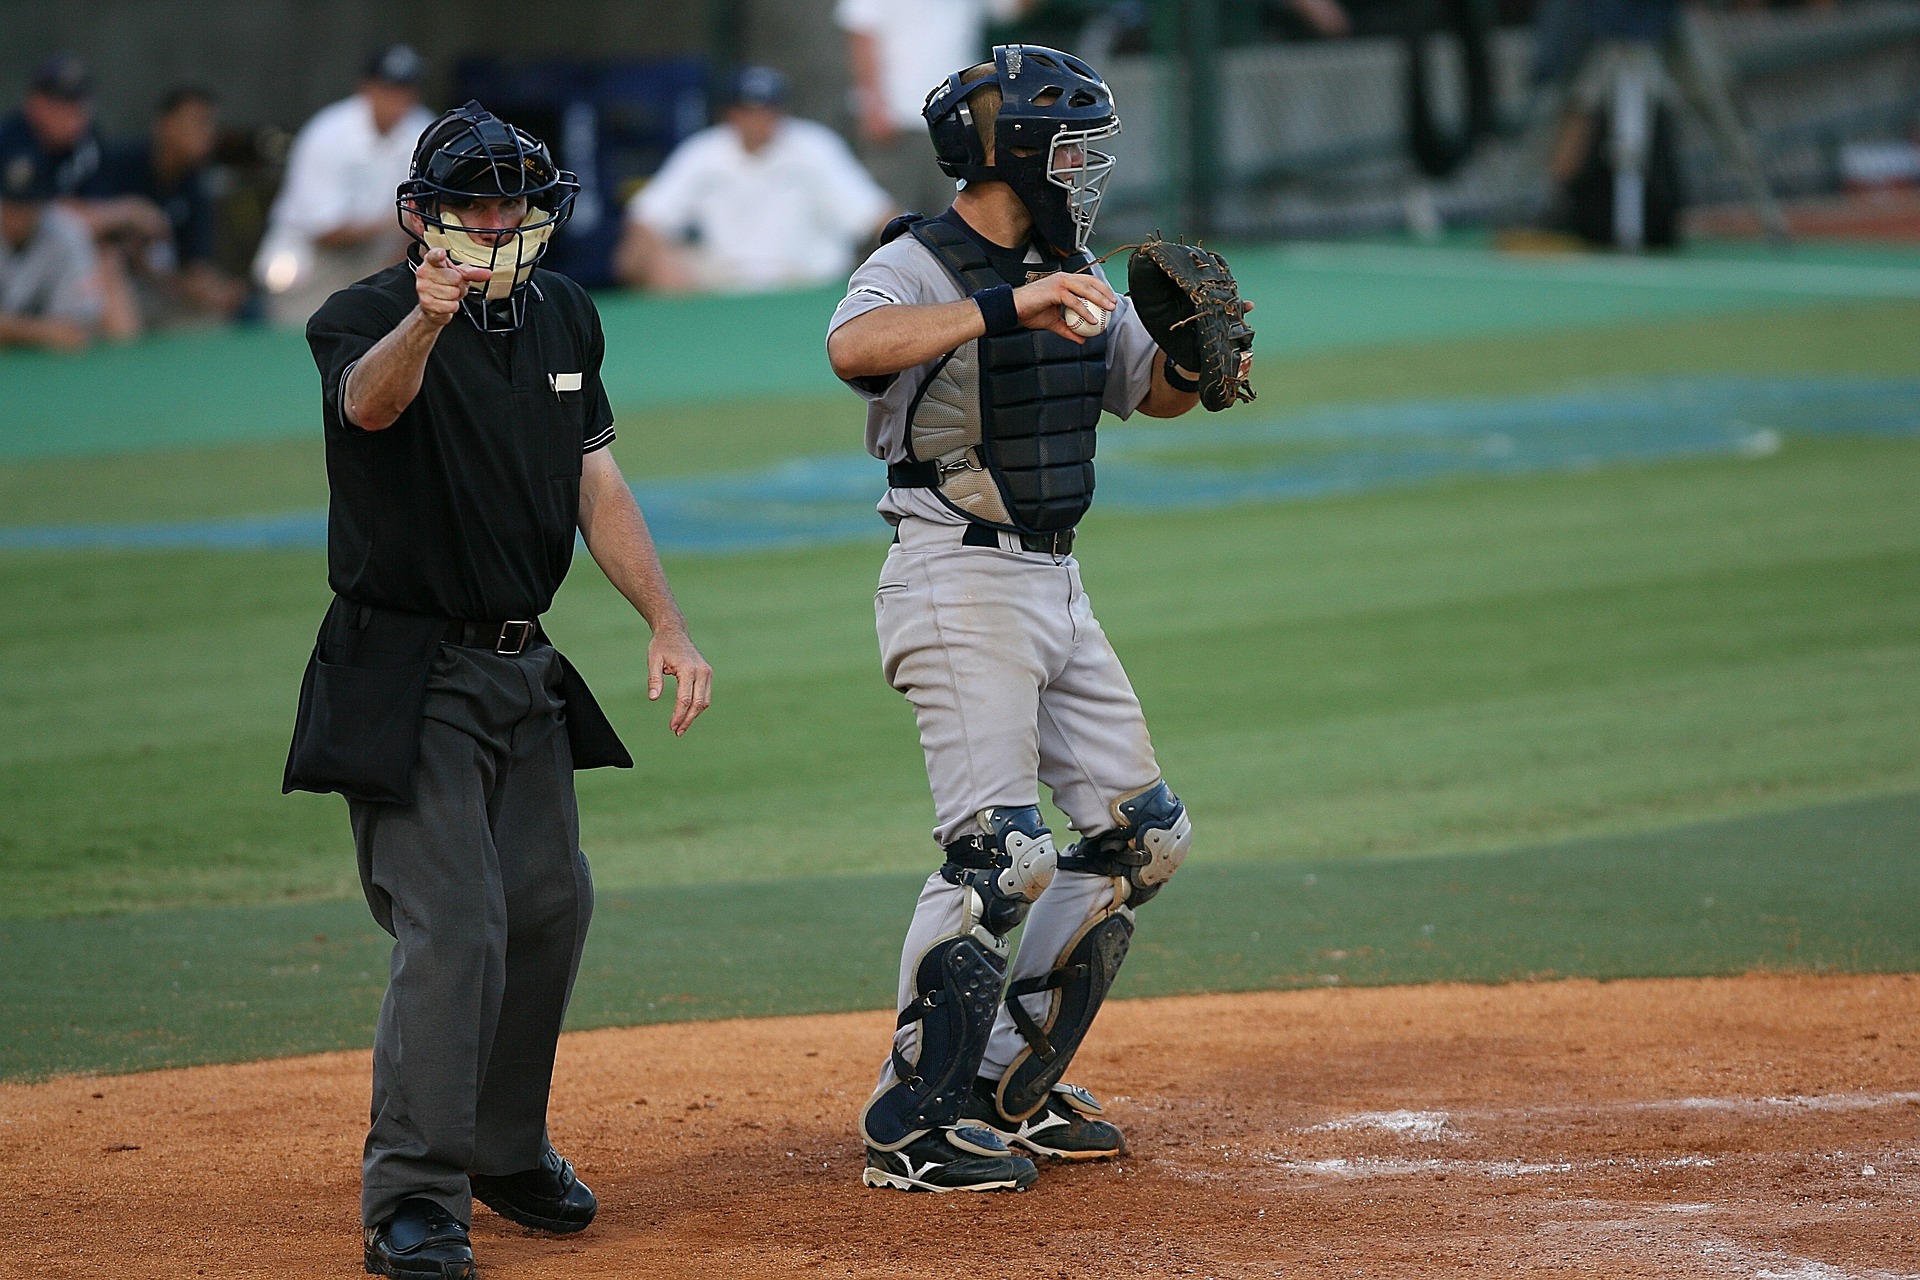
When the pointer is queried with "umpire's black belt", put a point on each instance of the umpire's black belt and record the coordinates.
(509, 636)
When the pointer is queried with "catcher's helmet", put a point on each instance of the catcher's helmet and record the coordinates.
(1051, 105)
(469, 153)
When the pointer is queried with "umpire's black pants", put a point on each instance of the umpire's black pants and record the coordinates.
(483, 886)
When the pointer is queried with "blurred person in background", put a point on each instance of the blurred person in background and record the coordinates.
(1608, 78)
(333, 222)
(54, 129)
(49, 280)
(761, 200)
(898, 50)
(173, 275)
(55, 125)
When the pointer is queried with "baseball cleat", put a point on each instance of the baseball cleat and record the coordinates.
(961, 1157)
(547, 1198)
(420, 1240)
(1068, 1126)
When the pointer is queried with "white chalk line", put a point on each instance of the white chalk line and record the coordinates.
(1428, 1126)
(1420, 1126)
(1356, 1167)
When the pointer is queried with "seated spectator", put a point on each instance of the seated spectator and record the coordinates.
(54, 125)
(49, 285)
(54, 128)
(174, 275)
(760, 201)
(334, 221)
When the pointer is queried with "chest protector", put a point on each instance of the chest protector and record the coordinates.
(1003, 428)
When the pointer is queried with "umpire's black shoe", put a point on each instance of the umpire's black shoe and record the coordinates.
(548, 1198)
(1068, 1126)
(961, 1157)
(420, 1240)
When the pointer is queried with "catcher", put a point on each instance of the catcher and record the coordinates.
(986, 343)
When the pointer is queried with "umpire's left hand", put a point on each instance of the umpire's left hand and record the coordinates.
(673, 654)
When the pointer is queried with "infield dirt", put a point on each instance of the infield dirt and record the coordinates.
(1755, 1127)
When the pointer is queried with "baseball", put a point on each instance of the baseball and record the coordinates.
(1086, 318)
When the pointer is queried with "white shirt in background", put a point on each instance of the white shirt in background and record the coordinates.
(920, 43)
(341, 171)
(789, 215)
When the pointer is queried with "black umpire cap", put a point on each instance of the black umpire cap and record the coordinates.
(65, 77)
(757, 87)
(397, 64)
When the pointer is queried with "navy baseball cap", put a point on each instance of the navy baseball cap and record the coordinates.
(757, 87)
(24, 180)
(65, 77)
(397, 64)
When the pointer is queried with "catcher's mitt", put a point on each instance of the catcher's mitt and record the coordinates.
(1187, 298)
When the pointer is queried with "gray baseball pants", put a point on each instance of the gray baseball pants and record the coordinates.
(1013, 683)
(483, 886)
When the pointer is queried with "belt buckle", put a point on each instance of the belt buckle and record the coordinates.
(520, 641)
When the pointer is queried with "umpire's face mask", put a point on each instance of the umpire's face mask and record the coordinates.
(506, 236)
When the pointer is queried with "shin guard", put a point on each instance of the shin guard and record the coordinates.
(958, 985)
(1000, 869)
(1139, 855)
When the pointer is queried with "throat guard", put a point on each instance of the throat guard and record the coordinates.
(1003, 428)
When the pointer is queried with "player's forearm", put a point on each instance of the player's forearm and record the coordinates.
(869, 103)
(620, 543)
(387, 378)
(35, 331)
(353, 233)
(1163, 400)
(889, 339)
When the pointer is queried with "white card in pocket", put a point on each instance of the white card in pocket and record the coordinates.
(564, 382)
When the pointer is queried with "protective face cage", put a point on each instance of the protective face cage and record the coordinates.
(469, 154)
(1052, 105)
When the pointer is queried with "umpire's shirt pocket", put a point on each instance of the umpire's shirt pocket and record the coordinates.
(558, 415)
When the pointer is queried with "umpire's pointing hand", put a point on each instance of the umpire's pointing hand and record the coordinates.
(441, 284)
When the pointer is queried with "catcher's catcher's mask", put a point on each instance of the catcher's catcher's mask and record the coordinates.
(470, 154)
(1052, 105)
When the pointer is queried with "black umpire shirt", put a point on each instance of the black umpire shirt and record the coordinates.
(466, 506)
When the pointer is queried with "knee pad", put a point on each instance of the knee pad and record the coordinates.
(1002, 868)
(1144, 848)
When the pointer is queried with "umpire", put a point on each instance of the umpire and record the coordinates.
(466, 434)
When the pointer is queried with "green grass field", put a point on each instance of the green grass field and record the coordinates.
(1633, 719)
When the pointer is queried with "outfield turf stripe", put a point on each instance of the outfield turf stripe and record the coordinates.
(813, 501)
(1826, 888)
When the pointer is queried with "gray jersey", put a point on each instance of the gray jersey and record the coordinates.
(51, 276)
(906, 271)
